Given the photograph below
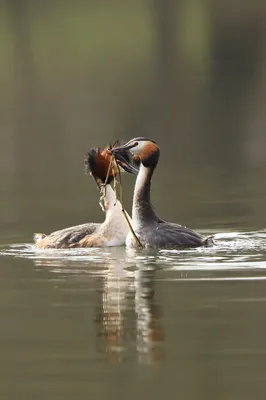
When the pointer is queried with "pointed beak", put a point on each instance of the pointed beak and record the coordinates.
(126, 146)
(124, 163)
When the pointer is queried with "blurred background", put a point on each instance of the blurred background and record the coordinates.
(190, 74)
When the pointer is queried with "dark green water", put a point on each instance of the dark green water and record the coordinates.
(104, 324)
(115, 324)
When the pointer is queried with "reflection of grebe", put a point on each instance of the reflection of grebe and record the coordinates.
(149, 330)
(152, 231)
(111, 318)
(118, 329)
(128, 318)
(113, 231)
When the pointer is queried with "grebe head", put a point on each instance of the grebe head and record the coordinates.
(145, 150)
(97, 163)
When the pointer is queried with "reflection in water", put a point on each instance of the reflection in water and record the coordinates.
(204, 307)
(128, 292)
(111, 314)
(149, 329)
(128, 315)
(120, 288)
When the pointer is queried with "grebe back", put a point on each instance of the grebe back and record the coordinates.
(152, 231)
(113, 231)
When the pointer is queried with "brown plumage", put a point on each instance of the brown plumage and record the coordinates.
(114, 229)
(151, 230)
(97, 163)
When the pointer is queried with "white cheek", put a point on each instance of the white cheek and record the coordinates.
(137, 149)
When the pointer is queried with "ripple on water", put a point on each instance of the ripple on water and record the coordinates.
(233, 251)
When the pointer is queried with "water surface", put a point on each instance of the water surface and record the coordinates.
(108, 323)
(111, 323)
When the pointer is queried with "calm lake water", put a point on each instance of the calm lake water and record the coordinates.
(110, 323)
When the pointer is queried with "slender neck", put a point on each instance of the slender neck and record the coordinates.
(142, 208)
(111, 203)
(108, 196)
(109, 193)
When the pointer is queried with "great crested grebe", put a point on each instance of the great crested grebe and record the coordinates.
(113, 231)
(152, 231)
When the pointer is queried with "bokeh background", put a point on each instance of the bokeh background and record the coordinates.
(190, 74)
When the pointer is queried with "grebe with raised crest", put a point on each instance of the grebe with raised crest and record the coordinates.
(151, 230)
(113, 231)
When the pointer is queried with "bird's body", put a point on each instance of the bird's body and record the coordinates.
(151, 230)
(112, 232)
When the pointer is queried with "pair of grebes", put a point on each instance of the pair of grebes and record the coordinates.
(146, 229)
